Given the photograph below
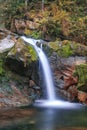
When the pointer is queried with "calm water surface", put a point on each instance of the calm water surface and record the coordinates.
(32, 118)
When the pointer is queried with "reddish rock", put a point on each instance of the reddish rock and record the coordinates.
(82, 97)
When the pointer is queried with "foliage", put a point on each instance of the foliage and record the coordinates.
(36, 34)
(1, 67)
(65, 51)
(2, 63)
(66, 19)
(67, 48)
(33, 54)
(52, 21)
(13, 9)
(27, 32)
(81, 73)
(78, 19)
(54, 45)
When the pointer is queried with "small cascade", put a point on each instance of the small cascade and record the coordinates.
(45, 66)
(51, 100)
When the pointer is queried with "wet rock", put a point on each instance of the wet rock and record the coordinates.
(59, 83)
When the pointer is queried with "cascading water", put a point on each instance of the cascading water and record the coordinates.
(45, 67)
(51, 98)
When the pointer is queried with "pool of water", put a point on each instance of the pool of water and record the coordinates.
(38, 118)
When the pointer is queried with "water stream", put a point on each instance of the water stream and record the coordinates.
(46, 68)
(51, 101)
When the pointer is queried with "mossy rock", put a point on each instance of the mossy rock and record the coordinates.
(23, 52)
(67, 48)
(54, 45)
(81, 73)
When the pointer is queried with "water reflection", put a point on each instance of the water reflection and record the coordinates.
(46, 120)
(42, 119)
(51, 119)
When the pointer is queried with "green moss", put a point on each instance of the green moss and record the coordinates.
(27, 32)
(32, 53)
(65, 51)
(54, 45)
(81, 73)
(2, 63)
(36, 34)
(1, 67)
(67, 48)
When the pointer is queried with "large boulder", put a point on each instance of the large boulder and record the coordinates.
(18, 68)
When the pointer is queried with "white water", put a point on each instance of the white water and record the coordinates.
(45, 67)
(51, 99)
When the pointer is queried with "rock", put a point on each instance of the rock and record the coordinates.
(67, 48)
(82, 97)
(64, 66)
(2, 35)
(15, 89)
(59, 83)
(74, 60)
(23, 52)
(73, 92)
(25, 59)
(20, 25)
(36, 87)
(32, 25)
(22, 60)
(31, 83)
(6, 44)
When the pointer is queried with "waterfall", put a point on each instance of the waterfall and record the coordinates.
(51, 98)
(45, 66)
